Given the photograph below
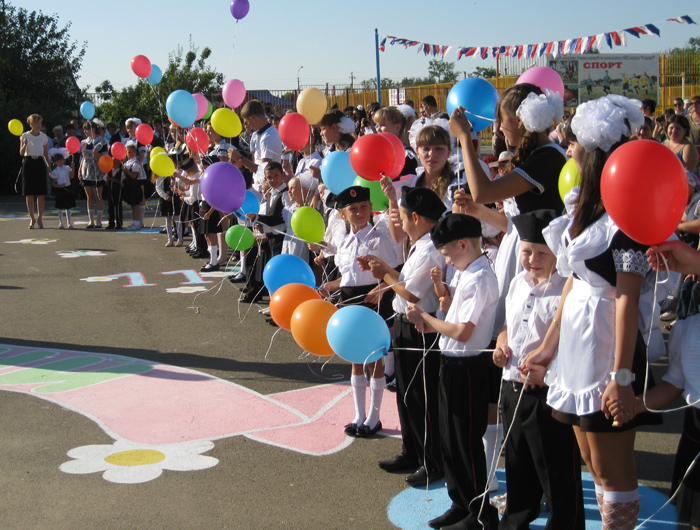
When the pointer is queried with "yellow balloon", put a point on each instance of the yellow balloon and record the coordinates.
(568, 178)
(226, 122)
(15, 126)
(162, 165)
(157, 150)
(312, 104)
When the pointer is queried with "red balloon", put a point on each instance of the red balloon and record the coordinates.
(645, 190)
(144, 134)
(399, 154)
(141, 66)
(372, 157)
(73, 145)
(197, 140)
(118, 150)
(294, 130)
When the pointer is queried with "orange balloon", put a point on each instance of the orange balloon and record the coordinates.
(308, 326)
(286, 299)
(106, 163)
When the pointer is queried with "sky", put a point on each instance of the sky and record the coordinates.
(330, 41)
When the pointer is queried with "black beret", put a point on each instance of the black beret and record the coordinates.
(530, 225)
(352, 195)
(422, 201)
(208, 160)
(454, 226)
(187, 163)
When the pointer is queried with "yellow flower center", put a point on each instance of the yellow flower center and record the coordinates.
(135, 457)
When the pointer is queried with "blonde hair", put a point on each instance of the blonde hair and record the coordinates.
(306, 197)
(34, 118)
(392, 115)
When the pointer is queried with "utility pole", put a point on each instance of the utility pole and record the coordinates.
(352, 78)
(298, 84)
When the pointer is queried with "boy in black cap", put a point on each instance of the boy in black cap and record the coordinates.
(464, 379)
(541, 453)
(419, 210)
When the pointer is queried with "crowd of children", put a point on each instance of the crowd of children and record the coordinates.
(493, 290)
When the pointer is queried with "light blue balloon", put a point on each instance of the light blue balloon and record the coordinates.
(478, 97)
(156, 75)
(251, 204)
(181, 107)
(337, 172)
(358, 334)
(87, 110)
(287, 268)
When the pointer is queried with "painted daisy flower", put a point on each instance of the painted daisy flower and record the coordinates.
(186, 289)
(80, 253)
(127, 462)
(91, 279)
(216, 274)
(34, 241)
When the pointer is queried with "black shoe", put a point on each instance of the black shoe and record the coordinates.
(164, 231)
(118, 227)
(200, 255)
(351, 429)
(391, 387)
(363, 431)
(209, 268)
(249, 298)
(454, 515)
(400, 462)
(238, 278)
(422, 477)
(109, 227)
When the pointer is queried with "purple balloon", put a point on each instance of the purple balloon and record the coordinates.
(233, 93)
(239, 9)
(223, 187)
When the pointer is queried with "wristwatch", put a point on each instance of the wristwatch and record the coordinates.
(623, 377)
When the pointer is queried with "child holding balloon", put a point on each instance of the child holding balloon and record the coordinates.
(336, 130)
(90, 174)
(61, 177)
(362, 237)
(131, 189)
(391, 120)
(165, 204)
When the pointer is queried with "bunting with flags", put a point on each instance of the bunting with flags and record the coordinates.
(577, 46)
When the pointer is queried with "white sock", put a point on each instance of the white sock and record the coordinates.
(60, 217)
(169, 227)
(178, 225)
(213, 254)
(492, 444)
(376, 392)
(91, 216)
(389, 363)
(243, 268)
(599, 493)
(99, 216)
(359, 390)
(68, 215)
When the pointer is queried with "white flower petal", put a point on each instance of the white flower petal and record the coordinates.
(83, 467)
(91, 451)
(133, 474)
(190, 463)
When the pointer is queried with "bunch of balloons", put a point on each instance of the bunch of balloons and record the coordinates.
(374, 156)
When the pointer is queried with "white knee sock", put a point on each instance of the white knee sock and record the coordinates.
(359, 390)
(169, 227)
(60, 217)
(91, 216)
(389, 363)
(376, 393)
(620, 509)
(68, 217)
(178, 226)
(213, 254)
(99, 216)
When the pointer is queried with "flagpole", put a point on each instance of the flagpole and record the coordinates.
(379, 79)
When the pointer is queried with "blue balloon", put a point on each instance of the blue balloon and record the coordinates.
(337, 172)
(87, 110)
(478, 97)
(251, 204)
(181, 107)
(287, 268)
(358, 334)
(156, 75)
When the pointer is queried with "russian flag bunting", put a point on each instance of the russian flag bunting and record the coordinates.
(554, 48)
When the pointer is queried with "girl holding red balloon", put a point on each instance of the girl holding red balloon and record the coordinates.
(34, 148)
(90, 175)
(602, 355)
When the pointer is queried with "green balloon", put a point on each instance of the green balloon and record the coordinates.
(211, 109)
(240, 237)
(380, 201)
(308, 224)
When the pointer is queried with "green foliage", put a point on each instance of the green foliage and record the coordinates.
(442, 71)
(185, 71)
(38, 70)
(484, 73)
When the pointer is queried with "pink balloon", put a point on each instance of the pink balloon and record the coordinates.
(543, 77)
(399, 153)
(233, 93)
(294, 130)
(202, 106)
(144, 133)
(197, 140)
(141, 66)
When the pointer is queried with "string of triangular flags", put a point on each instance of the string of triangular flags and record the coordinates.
(553, 48)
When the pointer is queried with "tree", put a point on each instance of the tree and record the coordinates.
(442, 71)
(185, 71)
(105, 89)
(484, 73)
(39, 66)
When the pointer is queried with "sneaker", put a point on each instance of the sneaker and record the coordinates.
(169, 244)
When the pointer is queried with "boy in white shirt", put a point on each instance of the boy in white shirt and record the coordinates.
(541, 453)
(464, 378)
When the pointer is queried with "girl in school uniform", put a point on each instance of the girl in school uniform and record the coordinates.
(91, 177)
(361, 237)
(61, 177)
(132, 194)
(391, 120)
(165, 204)
(337, 131)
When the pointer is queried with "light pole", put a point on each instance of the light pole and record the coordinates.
(298, 85)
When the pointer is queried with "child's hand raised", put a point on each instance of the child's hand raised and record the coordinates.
(445, 302)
